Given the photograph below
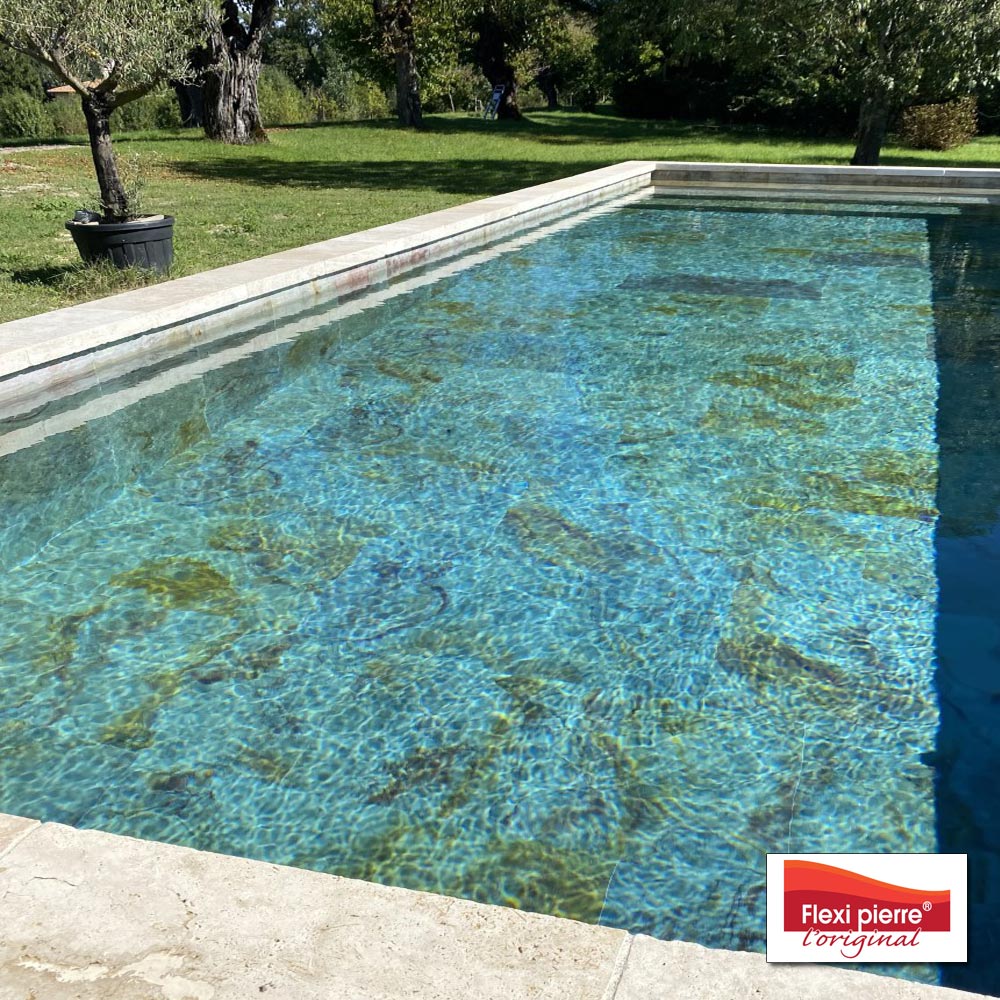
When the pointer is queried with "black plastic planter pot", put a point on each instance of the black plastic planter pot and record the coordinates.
(147, 243)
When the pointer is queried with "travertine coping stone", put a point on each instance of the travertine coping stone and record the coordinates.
(13, 829)
(89, 916)
(665, 970)
(206, 303)
(92, 916)
(200, 307)
(783, 173)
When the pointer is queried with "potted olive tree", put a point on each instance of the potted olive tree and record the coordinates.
(110, 52)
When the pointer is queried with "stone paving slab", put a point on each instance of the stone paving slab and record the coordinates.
(13, 829)
(670, 970)
(89, 916)
(86, 915)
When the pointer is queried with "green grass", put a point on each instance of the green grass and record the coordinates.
(314, 182)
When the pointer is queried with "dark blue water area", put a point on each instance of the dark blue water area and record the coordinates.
(965, 254)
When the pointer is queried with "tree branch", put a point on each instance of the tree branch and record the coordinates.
(261, 16)
(53, 58)
(127, 96)
(110, 82)
(232, 26)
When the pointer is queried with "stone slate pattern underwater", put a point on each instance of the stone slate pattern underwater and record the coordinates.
(577, 581)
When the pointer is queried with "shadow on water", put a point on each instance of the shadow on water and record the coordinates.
(966, 261)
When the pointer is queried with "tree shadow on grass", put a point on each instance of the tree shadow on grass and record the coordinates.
(462, 176)
(567, 126)
(42, 275)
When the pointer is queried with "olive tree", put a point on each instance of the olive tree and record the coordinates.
(230, 62)
(110, 52)
(418, 39)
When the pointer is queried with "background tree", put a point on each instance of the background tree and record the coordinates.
(229, 64)
(881, 55)
(820, 66)
(501, 32)
(566, 61)
(418, 39)
(652, 49)
(110, 52)
(889, 53)
(395, 21)
(298, 45)
(18, 72)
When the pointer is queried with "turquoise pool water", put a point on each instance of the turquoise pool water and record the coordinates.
(576, 580)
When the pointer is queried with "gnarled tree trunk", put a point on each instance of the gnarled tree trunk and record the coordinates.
(490, 54)
(873, 121)
(547, 85)
(395, 20)
(232, 60)
(408, 108)
(191, 103)
(97, 110)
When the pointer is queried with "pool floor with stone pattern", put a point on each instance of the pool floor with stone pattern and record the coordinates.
(576, 580)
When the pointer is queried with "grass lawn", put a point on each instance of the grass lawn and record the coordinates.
(313, 182)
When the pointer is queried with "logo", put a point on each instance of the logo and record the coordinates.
(866, 908)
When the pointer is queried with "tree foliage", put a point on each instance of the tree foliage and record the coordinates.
(511, 42)
(502, 33)
(397, 29)
(110, 52)
(438, 32)
(298, 45)
(889, 53)
(879, 54)
(565, 61)
(18, 72)
(121, 49)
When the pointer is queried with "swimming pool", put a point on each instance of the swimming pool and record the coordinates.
(577, 579)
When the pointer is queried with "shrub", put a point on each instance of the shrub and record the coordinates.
(530, 98)
(348, 96)
(168, 110)
(586, 97)
(156, 110)
(67, 116)
(280, 101)
(24, 117)
(939, 126)
(455, 88)
(365, 99)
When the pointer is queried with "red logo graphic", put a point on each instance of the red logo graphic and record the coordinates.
(866, 907)
(825, 899)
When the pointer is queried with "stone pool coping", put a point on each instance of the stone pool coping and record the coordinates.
(87, 915)
(57, 348)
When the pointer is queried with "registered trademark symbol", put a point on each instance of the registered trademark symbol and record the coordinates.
(927, 905)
